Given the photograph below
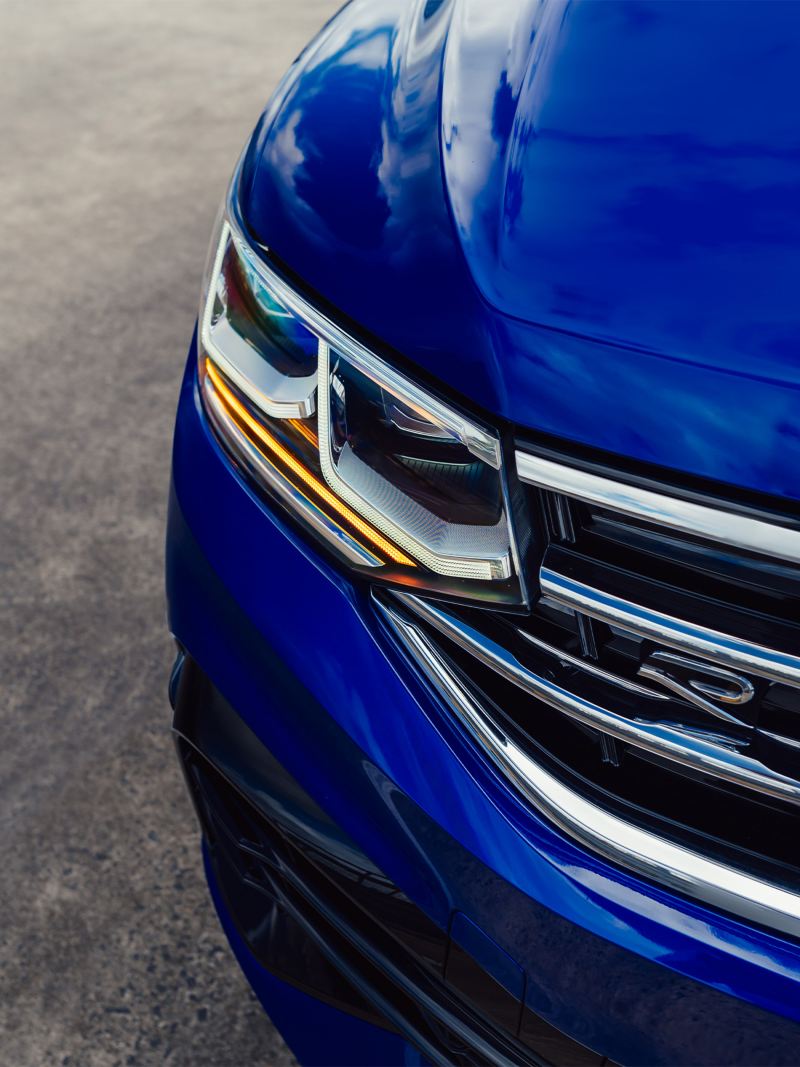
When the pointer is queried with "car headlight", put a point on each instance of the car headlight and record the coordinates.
(397, 483)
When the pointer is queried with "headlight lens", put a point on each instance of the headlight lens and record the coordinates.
(396, 482)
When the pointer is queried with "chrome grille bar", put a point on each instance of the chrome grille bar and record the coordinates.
(697, 640)
(713, 523)
(590, 667)
(689, 748)
(621, 842)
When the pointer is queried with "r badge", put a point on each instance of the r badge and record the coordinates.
(705, 685)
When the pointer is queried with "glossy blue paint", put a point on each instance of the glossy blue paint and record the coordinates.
(403, 781)
(582, 216)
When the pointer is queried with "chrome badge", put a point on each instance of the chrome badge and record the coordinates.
(705, 685)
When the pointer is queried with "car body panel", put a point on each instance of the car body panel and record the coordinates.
(560, 210)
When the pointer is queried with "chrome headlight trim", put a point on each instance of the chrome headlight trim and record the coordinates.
(484, 446)
(274, 393)
(358, 554)
(465, 546)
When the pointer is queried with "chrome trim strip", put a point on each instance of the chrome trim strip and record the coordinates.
(631, 847)
(696, 640)
(714, 524)
(790, 741)
(690, 748)
(273, 392)
(592, 668)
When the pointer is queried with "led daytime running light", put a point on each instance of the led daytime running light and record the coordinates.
(302, 472)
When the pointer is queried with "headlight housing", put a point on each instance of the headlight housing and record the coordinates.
(398, 484)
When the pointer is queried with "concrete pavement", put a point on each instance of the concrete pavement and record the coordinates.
(119, 125)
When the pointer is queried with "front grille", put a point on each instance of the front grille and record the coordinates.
(657, 675)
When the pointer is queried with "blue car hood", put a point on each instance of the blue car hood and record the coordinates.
(585, 217)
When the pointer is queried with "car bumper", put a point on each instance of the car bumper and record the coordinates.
(539, 941)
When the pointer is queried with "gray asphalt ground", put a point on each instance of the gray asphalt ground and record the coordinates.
(120, 121)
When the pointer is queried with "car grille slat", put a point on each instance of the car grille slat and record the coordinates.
(778, 536)
(717, 647)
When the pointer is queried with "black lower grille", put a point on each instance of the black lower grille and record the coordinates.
(345, 933)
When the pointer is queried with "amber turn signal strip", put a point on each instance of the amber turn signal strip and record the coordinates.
(307, 477)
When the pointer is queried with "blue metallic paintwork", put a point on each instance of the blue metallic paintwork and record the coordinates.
(618, 964)
(596, 236)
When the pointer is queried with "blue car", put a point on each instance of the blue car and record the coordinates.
(483, 555)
